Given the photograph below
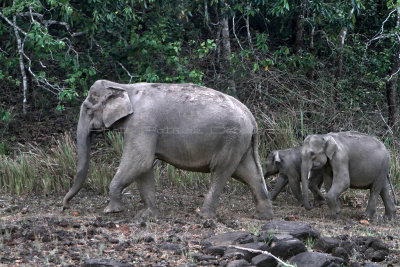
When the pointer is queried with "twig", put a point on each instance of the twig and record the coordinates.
(263, 252)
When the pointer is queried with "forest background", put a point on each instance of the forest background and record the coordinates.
(301, 66)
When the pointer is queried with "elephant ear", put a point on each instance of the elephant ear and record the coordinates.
(331, 146)
(116, 106)
(277, 158)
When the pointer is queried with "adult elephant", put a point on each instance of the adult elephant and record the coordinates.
(349, 160)
(189, 126)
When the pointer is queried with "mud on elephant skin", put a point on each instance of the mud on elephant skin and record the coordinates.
(287, 163)
(189, 126)
(348, 160)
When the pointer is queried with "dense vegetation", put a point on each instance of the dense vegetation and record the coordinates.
(301, 66)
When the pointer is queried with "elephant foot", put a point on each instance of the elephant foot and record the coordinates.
(147, 213)
(114, 207)
(389, 217)
(206, 213)
(266, 215)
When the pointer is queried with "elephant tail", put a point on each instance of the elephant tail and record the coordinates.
(255, 142)
(389, 177)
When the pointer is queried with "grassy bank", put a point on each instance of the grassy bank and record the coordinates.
(51, 171)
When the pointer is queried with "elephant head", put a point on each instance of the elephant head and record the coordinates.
(106, 103)
(272, 163)
(316, 151)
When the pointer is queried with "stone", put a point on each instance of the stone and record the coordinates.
(299, 230)
(231, 238)
(316, 259)
(233, 255)
(202, 257)
(379, 255)
(264, 260)
(376, 244)
(326, 244)
(175, 248)
(215, 250)
(287, 248)
(248, 255)
(341, 253)
(371, 264)
(238, 263)
(104, 263)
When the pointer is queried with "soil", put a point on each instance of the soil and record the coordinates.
(35, 232)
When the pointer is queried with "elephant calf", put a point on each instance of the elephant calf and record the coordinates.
(189, 126)
(348, 160)
(287, 163)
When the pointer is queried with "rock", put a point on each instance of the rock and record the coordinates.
(215, 250)
(264, 260)
(326, 244)
(371, 264)
(379, 255)
(268, 238)
(348, 246)
(299, 230)
(238, 263)
(287, 248)
(248, 255)
(234, 255)
(202, 257)
(231, 238)
(175, 248)
(104, 263)
(376, 244)
(341, 253)
(209, 224)
(316, 259)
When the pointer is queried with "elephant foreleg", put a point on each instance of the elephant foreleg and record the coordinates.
(340, 183)
(315, 186)
(281, 182)
(136, 160)
(294, 184)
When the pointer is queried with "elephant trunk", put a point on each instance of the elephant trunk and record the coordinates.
(305, 175)
(83, 143)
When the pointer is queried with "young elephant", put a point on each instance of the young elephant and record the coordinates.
(287, 163)
(189, 126)
(349, 160)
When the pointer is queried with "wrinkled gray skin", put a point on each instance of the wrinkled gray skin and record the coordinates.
(349, 160)
(191, 127)
(287, 163)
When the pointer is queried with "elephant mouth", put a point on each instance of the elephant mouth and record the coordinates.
(316, 165)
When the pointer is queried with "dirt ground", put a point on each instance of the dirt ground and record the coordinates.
(35, 232)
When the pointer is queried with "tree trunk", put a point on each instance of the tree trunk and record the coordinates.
(298, 42)
(342, 38)
(22, 67)
(226, 51)
(392, 85)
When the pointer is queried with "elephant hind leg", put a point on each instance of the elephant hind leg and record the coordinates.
(390, 209)
(248, 172)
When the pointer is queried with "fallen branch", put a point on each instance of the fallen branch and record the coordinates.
(263, 252)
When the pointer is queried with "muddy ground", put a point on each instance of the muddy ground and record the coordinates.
(34, 231)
